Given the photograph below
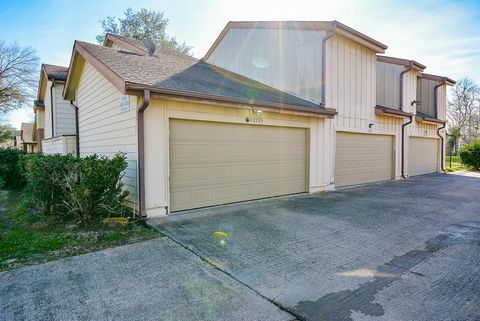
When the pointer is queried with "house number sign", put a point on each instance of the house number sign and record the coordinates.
(254, 117)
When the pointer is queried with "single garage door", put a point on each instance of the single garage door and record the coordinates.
(422, 155)
(363, 158)
(215, 163)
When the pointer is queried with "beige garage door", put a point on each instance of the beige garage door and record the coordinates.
(422, 155)
(217, 163)
(363, 158)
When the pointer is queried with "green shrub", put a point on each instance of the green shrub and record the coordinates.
(11, 171)
(470, 155)
(47, 176)
(99, 191)
(75, 188)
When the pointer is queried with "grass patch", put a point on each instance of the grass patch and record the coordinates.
(454, 163)
(27, 237)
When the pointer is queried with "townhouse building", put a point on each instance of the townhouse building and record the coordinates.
(274, 108)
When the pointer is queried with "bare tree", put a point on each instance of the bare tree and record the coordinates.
(18, 75)
(464, 109)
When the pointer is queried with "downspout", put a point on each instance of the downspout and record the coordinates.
(51, 103)
(442, 166)
(141, 151)
(435, 104)
(410, 67)
(403, 146)
(324, 63)
(77, 133)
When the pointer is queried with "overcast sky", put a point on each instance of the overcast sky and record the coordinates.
(443, 34)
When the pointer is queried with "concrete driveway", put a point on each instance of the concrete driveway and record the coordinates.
(152, 280)
(394, 251)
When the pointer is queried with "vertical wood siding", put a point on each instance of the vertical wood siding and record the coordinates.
(351, 83)
(388, 84)
(104, 128)
(289, 60)
(442, 102)
(425, 93)
(409, 91)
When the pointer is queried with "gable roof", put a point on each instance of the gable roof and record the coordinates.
(330, 26)
(180, 75)
(400, 61)
(55, 72)
(48, 72)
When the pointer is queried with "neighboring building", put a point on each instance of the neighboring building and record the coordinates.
(257, 117)
(399, 87)
(426, 149)
(39, 124)
(29, 145)
(54, 116)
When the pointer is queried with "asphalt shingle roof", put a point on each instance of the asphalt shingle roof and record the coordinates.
(56, 72)
(169, 70)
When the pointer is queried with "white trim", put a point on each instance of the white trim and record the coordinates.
(156, 212)
(363, 131)
(321, 188)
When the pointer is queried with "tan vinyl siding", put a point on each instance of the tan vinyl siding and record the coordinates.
(388, 84)
(287, 59)
(48, 111)
(40, 117)
(104, 128)
(64, 114)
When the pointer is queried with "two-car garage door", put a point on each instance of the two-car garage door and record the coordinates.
(215, 163)
(363, 158)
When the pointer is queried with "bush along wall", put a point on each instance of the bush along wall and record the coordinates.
(470, 155)
(11, 171)
(81, 189)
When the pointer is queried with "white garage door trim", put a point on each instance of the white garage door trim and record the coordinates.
(375, 152)
(193, 143)
(423, 154)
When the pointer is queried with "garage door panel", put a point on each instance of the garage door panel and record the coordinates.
(363, 158)
(215, 163)
(422, 156)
